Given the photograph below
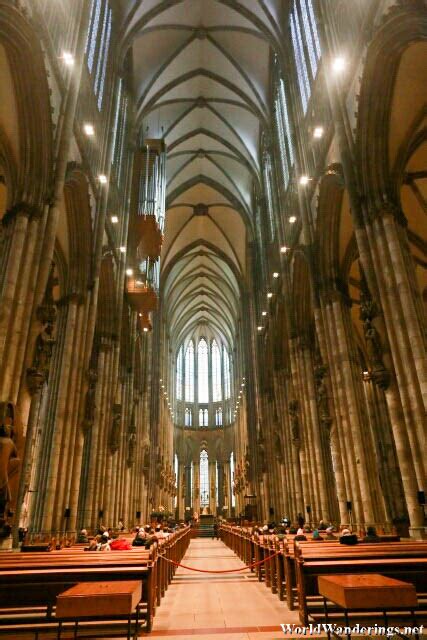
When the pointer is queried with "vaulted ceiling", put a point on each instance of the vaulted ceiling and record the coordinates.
(201, 81)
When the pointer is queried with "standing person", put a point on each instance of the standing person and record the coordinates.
(215, 530)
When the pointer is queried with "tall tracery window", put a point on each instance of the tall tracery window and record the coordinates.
(203, 371)
(233, 497)
(203, 381)
(306, 45)
(188, 417)
(204, 478)
(216, 373)
(217, 483)
(119, 130)
(179, 371)
(189, 372)
(98, 46)
(203, 418)
(284, 135)
(227, 374)
(176, 471)
(268, 177)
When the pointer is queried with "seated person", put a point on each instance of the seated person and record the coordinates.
(150, 539)
(82, 537)
(347, 537)
(293, 530)
(93, 544)
(330, 534)
(104, 544)
(371, 535)
(139, 539)
(316, 535)
(322, 526)
(300, 535)
(280, 533)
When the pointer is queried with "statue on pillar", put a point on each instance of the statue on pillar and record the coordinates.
(262, 460)
(90, 406)
(146, 462)
(293, 408)
(380, 375)
(9, 463)
(115, 428)
(38, 373)
(322, 396)
(131, 449)
(277, 443)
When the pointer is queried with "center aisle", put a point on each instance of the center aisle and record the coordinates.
(223, 606)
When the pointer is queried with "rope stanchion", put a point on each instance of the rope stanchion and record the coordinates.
(250, 566)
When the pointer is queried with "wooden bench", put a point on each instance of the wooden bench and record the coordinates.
(405, 561)
(367, 592)
(31, 582)
(97, 601)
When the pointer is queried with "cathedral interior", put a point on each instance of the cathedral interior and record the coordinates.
(213, 264)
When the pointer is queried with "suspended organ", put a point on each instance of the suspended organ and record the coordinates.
(146, 225)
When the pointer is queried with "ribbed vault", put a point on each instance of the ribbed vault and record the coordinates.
(201, 79)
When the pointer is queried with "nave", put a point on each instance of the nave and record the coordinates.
(213, 286)
(229, 606)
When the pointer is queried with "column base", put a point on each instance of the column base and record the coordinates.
(418, 533)
(6, 544)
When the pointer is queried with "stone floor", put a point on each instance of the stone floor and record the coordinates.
(219, 607)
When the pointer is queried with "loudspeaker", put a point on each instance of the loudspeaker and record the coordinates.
(349, 507)
(67, 512)
(421, 498)
(271, 511)
(308, 508)
(100, 513)
(138, 514)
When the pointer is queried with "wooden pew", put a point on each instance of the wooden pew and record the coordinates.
(401, 560)
(30, 582)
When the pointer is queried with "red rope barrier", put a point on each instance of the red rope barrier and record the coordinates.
(255, 564)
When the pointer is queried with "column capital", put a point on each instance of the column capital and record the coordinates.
(24, 209)
(386, 209)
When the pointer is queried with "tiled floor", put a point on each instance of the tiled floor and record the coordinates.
(219, 606)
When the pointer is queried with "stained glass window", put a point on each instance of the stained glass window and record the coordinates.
(203, 371)
(303, 82)
(116, 120)
(233, 497)
(216, 373)
(306, 45)
(217, 484)
(93, 33)
(192, 480)
(176, 470)
(308, 6)
(188, 417)
(189, 372)
(98, 45)
(203, 418)
(218, 417)
(179, 367)
(99, 88)
(227, 377)
(269, 194)
(121, 137)
(204, 478)
(284, 133)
